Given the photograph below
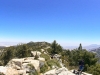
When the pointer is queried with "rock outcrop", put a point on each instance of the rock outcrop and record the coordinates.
(24, 66)
(62, 71)
(11, 71)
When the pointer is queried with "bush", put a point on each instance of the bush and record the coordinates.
(33, 73)
(94, 69)
(44, 68)
(31, 66)
(32, 70)
(46, 56)
(53, 63)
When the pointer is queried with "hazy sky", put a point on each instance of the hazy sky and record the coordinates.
(69, 22)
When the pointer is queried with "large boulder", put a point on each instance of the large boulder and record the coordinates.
(35, 63)
(15, 63)
(3, 69)
(11, 71)
(20, 64)
(41, 59)
(28, 67)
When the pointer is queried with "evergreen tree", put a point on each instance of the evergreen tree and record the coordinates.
(23, 51)
(80, 47)
(55, 48)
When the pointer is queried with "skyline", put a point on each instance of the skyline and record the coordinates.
(68, 22)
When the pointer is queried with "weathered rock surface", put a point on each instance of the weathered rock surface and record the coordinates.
(11, 71)
(20, 66)
(62, 71)
(24, 66)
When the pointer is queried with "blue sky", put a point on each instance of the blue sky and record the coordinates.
(69, 22)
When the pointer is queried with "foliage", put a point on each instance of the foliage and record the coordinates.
(94, 69)
(97, 52)
(7, 55)
(75, 55)
(46, 56)
(32, 70)
(38, 45)
(11, 52)
(53, 62)
(31, 66)
(44, 68)
(69, 57)
(55, 48)
(36, 56)
(20, 51)
(80, 47)
(23, 51)
(33, 73)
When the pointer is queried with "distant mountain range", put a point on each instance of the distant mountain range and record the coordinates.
(95, 50)
(90, 47)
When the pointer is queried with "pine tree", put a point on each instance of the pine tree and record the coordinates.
(80, 47)
(54, 47)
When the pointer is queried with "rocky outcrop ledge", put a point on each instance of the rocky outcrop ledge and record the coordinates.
(62, 71)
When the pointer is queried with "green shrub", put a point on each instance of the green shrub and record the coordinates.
(33, 73)
(31, 67)
(44, 68)
(53, 63)
(46, 56)
(94, 69)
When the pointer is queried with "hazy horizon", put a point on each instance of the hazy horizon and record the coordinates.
(7, 44)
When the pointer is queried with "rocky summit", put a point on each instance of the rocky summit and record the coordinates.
(29, 65)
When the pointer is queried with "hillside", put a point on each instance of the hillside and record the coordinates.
(38, 44)
(49, 55)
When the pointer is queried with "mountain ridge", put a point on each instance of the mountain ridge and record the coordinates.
(89, 47)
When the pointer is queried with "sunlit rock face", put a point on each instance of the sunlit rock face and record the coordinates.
(24, 66)
(20, 66)
(11, 71)
(62, 71)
